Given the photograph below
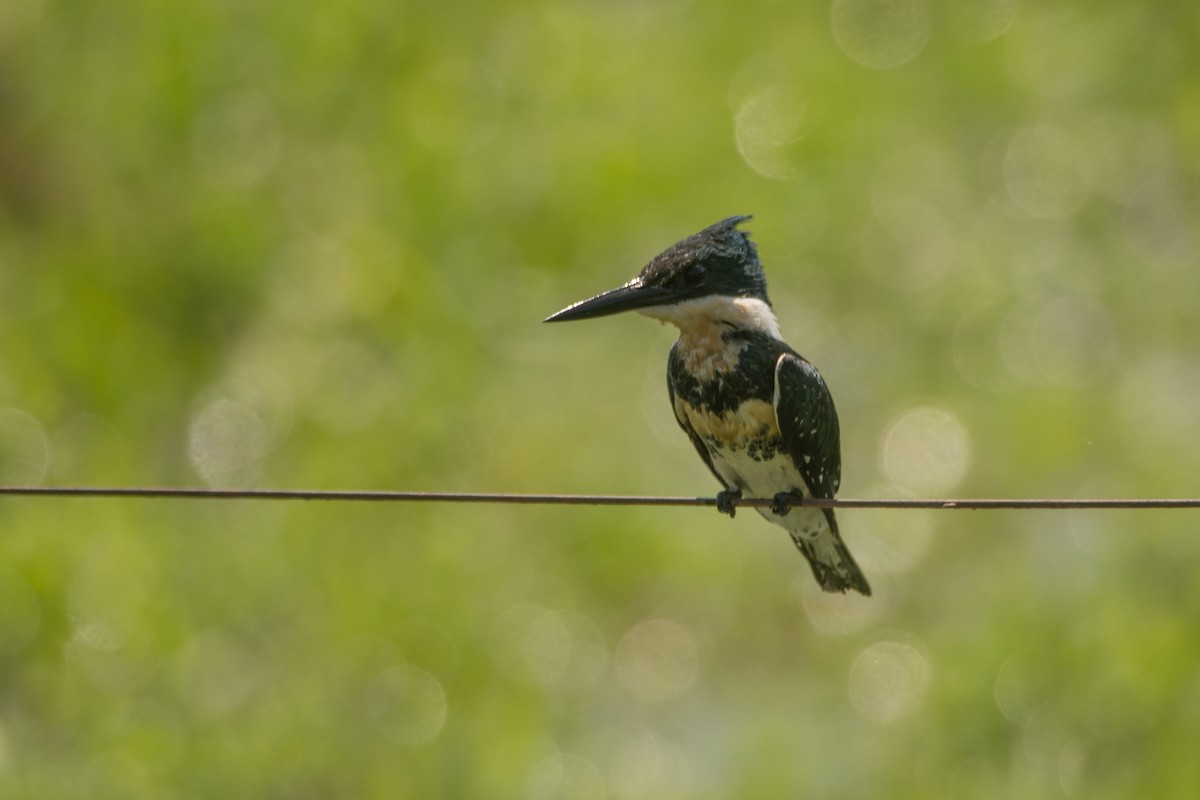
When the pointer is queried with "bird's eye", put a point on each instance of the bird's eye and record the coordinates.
(695, 273)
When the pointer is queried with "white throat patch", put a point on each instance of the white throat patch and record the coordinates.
(741, 312)
(702, 324)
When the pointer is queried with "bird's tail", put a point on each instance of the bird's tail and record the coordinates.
(831, 562)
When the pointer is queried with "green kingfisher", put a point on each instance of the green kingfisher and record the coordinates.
(758, 413)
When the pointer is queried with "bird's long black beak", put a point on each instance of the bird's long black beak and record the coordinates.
(631, 296)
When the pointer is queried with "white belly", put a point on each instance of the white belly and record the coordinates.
(766, 479)
(733, 439)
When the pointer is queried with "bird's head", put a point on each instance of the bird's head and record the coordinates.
(718, 264)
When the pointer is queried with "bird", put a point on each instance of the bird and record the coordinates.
(759, 414)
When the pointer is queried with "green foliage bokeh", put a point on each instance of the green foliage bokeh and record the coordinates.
(272, 245)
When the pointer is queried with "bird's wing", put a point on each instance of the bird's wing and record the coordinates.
(683, 423)
(808, 424)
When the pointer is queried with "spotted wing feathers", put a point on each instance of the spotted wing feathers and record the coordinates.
(808, 424)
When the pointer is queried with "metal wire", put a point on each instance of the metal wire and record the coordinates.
(191, 493)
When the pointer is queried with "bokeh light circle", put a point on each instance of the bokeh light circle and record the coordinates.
(116, 658)
(565, 776)
(226, 442)
(1074, 341)
(765, 125)
(657, 660)
(646, 766)
(881, 34)
(888, 544)
(1044, 171)
(836, 614)
(407, 705)
(926, 451)
(532, 643)
(888, 681)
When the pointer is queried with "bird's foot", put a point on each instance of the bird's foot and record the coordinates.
(781, 503)
(726, 501)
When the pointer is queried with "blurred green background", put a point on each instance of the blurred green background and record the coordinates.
(286, 246)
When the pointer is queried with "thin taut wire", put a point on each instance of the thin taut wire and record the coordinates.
(149, 492)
